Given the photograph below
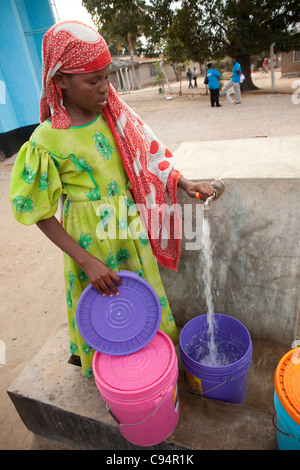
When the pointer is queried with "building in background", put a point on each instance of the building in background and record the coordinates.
(290, 63)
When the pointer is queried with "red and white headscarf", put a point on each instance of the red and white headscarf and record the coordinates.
(73, 47)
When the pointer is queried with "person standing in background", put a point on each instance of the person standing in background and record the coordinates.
(234, 82)
(213, 85)
(189, 76)
(195, 74)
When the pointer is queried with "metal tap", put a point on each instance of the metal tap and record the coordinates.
(219, 187)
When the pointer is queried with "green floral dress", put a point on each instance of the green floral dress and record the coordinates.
(84, 164)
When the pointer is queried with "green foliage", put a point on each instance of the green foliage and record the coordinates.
(246, 27)
(198, 29)
(121, 22)
(185, 38)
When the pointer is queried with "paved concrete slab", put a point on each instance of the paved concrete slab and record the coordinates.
(269, 157)
(56, 401)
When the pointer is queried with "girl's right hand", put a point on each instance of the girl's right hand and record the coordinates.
(102, 278)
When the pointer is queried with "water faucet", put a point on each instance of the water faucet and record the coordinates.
(219, 187)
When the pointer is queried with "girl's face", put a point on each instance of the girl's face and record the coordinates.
(85, 94)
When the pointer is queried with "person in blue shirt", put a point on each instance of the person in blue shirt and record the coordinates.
(234, 82)
(213, 85)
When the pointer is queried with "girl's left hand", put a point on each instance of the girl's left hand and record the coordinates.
(204, 189)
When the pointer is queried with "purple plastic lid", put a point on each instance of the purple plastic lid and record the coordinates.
(122, 324)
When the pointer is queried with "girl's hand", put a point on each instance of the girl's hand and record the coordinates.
(103, 279)
(203, 188)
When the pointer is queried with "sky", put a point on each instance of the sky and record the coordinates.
(73, 10)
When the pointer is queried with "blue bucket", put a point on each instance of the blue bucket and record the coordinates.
(287, 401)
(287, 430)
(226, 382)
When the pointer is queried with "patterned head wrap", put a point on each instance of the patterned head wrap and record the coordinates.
(71, 47)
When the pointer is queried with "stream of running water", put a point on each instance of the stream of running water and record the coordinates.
(211, 358)
(213, 348)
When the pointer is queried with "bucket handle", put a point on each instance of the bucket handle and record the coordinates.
(273, 419)
(203, 393)
(135, 424)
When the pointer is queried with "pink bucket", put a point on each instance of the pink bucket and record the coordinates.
(140, 390)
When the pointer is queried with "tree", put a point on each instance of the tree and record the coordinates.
(241, 28)
(159, 80)
(183, 43)
(186, 31)
(159, 18)
(176, 55)
(121, 22)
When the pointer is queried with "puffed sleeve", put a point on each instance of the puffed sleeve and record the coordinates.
(35, 185)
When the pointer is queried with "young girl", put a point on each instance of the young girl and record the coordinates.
(92, 149)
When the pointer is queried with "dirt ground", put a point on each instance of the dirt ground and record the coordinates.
(32, 289)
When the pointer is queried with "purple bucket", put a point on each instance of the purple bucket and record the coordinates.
(226, 381)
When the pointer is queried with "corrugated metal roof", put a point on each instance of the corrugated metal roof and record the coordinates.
(121, 64)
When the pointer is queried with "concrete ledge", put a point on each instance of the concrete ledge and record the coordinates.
(261, 158)
(56, 401)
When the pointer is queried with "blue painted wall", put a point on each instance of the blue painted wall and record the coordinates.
(23, 25)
